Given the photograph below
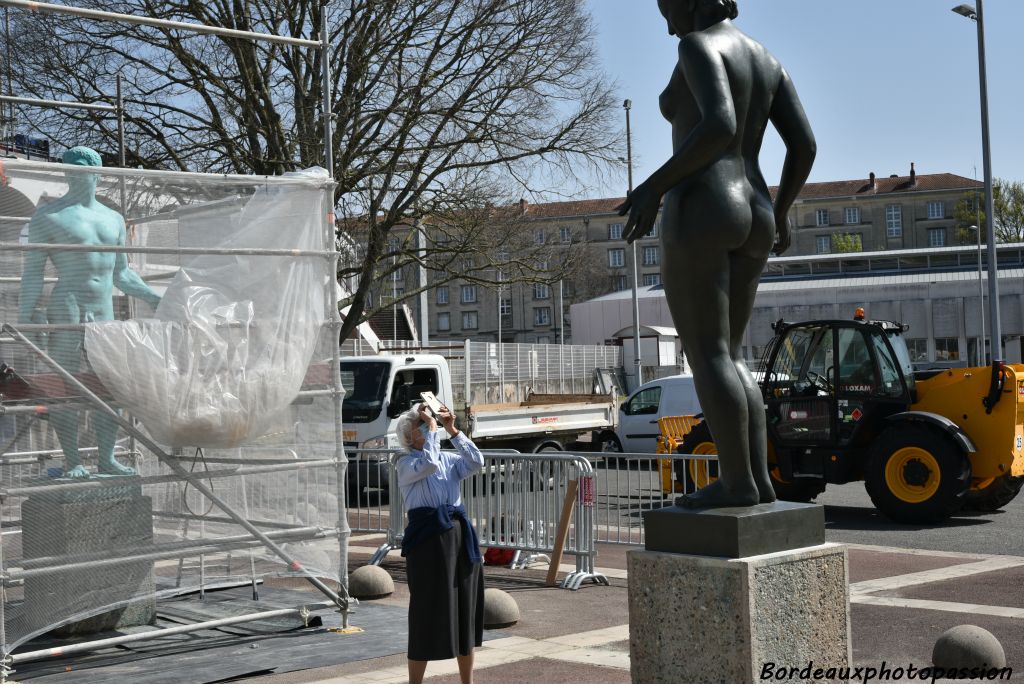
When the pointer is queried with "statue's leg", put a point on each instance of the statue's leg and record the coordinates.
(66, 349)
(106, 436)
(697, 289)
(745, 272)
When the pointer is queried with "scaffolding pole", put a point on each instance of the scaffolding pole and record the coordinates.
(47, 8)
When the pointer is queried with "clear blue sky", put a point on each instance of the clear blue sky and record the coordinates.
(884, 82)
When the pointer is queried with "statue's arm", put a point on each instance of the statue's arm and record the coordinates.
(788, 117)
(32, 274)
(127, 280)
(709, 84)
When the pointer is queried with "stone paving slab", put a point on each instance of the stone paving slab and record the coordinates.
(869, 565)
(1000, 588)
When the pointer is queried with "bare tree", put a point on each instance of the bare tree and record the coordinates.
(442, 108)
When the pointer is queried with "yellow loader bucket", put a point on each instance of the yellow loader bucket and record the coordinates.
(673, 430)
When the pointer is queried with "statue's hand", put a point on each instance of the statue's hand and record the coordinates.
(783, 235)
(642, 206)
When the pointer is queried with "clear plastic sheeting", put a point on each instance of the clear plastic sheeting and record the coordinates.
(202, 317)
(233, 335)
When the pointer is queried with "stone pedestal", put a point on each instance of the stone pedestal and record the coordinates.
(710, 619)
(79, 526)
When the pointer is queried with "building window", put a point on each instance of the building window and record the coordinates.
(616, 258)
(468, 294)
(618, 283)
(821, 217)
(851, 216)
(565, 234)
(543, 339)
(468, 264)
(947, 349)
(894, 221)
(936, 237)
(538, 236)
(614, 231)
(442, 295)
(444, 321)
(652, 279)
(396, 275)
(469, 320)
(542, 315)
(936, 210)
(505, 307)
(823, 244)
(650, 256)
(918, 348)
(541, 291)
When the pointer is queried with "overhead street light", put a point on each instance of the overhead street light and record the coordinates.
(977, 15)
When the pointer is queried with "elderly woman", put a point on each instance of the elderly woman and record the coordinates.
(719, 224)
(442, 555)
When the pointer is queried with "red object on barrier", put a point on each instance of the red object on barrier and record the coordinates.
(587, 491)
(493, 556)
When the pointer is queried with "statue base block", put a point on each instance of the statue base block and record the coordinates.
(708, 620)
(79, 526)
(735, 532)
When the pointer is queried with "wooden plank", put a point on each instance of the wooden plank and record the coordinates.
(563, 530)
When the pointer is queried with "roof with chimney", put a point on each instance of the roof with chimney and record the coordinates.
(869, 186)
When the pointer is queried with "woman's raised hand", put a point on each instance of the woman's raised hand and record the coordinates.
(427, 417)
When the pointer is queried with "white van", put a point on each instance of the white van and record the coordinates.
(638, 431)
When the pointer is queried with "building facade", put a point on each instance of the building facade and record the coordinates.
(865, 215)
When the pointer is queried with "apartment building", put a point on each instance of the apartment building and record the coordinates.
(874, 214)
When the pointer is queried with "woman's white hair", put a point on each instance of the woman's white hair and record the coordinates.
(407, 422)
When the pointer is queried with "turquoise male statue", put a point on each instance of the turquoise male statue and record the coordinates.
(83, 293)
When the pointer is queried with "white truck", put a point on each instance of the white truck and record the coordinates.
(379, 388)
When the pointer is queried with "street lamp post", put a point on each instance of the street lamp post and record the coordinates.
(981, 303)
(996, 335)
(628, 105)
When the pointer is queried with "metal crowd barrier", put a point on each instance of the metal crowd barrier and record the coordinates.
(627, 485)
(516, 502)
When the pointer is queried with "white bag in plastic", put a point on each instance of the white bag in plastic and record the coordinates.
(233, 336)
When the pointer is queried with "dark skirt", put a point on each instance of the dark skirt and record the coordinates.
(446, 598)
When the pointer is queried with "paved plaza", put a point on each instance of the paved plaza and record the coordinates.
(901, 601)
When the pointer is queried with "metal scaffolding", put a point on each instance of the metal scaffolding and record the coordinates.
(270, 535)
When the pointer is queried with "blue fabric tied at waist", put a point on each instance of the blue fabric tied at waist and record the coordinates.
(426, 522)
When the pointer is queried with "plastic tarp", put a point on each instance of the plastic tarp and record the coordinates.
(233, 336)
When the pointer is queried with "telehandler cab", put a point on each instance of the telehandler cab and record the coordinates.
(844, 404)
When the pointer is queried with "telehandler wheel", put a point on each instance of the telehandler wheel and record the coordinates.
(996, 494)
(915, 474)
(697, 473)
(801, 490)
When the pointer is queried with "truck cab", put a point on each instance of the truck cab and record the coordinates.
(378, 389)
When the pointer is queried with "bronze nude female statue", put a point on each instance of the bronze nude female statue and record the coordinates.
(719, 225)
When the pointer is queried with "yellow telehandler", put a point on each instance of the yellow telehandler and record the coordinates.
(844, 404)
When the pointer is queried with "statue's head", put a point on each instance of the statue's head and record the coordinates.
(82, 156)
(682, 14)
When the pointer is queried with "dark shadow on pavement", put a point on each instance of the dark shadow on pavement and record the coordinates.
(867, 518)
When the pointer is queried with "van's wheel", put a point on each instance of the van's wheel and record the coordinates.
(609, 443)
(993, 494)
(916, 475)
(801, 490)
(547, 446)
(697, 473)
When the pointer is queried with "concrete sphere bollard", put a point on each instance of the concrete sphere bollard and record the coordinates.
(370, 582)
(500, 609)
(968, 646)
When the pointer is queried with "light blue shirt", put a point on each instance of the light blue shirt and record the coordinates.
(432, 477)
